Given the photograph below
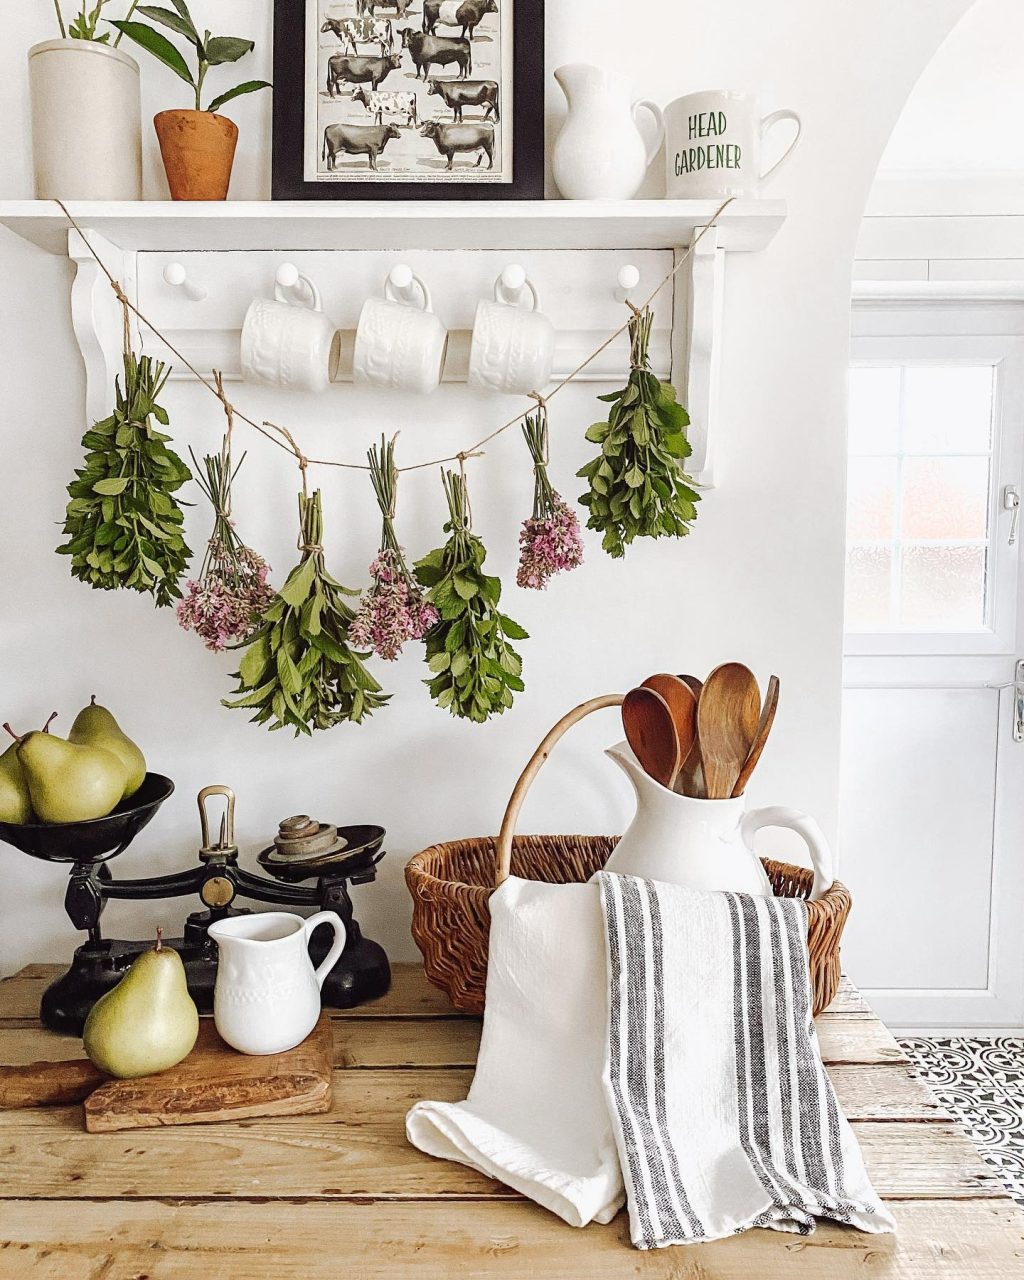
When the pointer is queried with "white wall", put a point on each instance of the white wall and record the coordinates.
(760, 579)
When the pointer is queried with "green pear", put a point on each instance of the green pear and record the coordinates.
(15, 803)
(148, 1022)
(95, 727)
(68, 782)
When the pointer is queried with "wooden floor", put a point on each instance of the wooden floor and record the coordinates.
(344, 1196)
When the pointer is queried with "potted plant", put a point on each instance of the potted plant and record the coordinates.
(86, 111)
(197, 144)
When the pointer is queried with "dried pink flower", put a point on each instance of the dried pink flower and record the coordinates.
(550, 541)
(392, 610)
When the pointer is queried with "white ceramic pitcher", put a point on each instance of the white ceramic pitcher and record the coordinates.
(267, 995)
(600, 153)
(705, 844)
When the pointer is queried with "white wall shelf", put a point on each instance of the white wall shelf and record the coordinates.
(130, 237)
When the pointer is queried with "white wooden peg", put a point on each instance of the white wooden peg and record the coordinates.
(512, 282)
(289, 279)
(177, 277)
(628, 278)
(403, 282)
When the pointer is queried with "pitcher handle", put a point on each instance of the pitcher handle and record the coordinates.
(659, 133)
(804, 825)
(337, 946)
(767, 123)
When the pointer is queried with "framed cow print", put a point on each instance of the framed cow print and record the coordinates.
(408, 99)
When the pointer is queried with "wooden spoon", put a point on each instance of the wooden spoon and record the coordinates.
(651, 733)
(728, 713)
(683, 705)
(691, 774)
(764, 728)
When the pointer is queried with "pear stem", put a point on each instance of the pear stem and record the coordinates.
(15, 736)
(159, 938)
(50, 720)
(92, 700)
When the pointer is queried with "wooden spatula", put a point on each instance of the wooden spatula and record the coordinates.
(764, 728)
(728, 713)
(683, 705)
(651, 734)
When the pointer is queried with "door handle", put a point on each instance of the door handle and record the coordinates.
(1011, 503)
(1018, 702)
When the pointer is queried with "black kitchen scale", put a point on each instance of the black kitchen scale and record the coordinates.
(340, 857)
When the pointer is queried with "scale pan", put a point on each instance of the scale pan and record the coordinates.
(95, 840)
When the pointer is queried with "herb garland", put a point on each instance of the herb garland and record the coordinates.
(123, 528)
(638, 488)
(475, 670)
(299, 669)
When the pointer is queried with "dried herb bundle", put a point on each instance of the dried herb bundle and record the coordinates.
(638, 488)
(549, 541)
(123, 528)
(299, 670)
(475, 670)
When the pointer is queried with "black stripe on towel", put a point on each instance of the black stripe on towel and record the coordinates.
(612, 912)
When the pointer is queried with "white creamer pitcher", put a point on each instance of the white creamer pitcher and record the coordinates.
(705, 844)
(267, 995)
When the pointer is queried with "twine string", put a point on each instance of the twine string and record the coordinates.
(283, 438)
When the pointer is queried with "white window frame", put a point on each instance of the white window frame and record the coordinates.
(895, 331)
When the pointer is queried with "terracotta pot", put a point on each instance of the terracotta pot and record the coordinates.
(198, 150)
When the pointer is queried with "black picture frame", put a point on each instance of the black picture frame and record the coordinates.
(288, 178)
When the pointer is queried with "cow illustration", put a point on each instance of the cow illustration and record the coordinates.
(467, 93)
(425, 50)
(467, 14)
(450, 139)
(356, 140)
(342, 67)
(365, 30)
(379, 104)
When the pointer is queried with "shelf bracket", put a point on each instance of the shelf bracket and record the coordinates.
(96, 315)
(697, 332)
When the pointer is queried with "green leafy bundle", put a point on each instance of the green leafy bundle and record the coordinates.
(122, 525)
(638, 488)
(299, 669)
(475, 670)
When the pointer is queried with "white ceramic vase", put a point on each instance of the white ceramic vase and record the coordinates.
(600, 153)
(86, 121)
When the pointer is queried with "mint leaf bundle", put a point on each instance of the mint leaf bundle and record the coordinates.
(123, 528)
(299, 669)
(638, 488)
(475, 670)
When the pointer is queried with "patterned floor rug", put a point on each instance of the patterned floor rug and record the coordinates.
(980, 1080)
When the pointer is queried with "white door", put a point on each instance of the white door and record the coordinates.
(932, 825)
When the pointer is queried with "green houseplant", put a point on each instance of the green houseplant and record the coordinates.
(197, 144)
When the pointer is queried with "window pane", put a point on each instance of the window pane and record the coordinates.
(947, 410)
(869, 588)
(874, 410)
(945, 497)
(943, 588)
(871, 499)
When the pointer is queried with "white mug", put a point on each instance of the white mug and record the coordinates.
(267, 995)
(289, 345)
(713, 145)
(513, 347)
(400, 343)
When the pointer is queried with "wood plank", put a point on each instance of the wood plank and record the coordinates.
(411, 996)
(848, 999)
(147, 1240)
(359, 1149)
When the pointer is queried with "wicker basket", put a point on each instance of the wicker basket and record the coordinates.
(451, 885)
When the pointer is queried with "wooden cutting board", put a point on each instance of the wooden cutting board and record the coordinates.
(213, 1083)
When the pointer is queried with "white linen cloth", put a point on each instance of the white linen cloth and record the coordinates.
(660, 1036)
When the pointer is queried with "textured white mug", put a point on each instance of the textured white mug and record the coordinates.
(513, 347)
(289, 345)
(267, 995)
(713, 145)
(400, 344)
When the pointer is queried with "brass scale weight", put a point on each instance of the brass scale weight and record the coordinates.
(334, 857)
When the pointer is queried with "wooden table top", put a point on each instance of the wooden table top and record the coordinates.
(344, 1195)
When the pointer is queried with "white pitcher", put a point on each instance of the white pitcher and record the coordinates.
(705, 844)
(600, 154)
(267, 995)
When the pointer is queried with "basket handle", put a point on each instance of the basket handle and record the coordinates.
(508, 822)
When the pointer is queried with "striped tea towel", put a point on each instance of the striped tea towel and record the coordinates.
(536, 1117)
(724, 1117)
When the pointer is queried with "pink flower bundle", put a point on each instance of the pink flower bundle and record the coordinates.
(550, 541)
(225, 604)
(392, 609)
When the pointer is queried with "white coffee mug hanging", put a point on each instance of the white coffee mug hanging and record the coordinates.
(713, 145)
(601, 152)
(290, 345)
(513, 345)
(400, 343)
